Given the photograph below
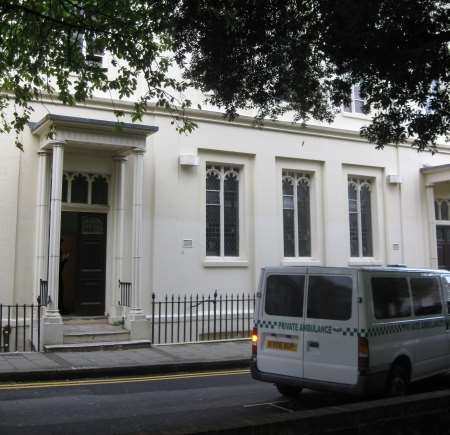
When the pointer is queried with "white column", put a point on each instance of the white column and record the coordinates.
(136, 321)
(55, 228)
(429, 189)
(42, 209)
(136, 247)
(118, 219)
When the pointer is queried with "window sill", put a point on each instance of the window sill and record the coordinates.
(364, 261)
(224, 262)
(300, 261)
(355, 115)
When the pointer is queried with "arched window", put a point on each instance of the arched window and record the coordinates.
(360, 217)
(296, 214)
(99, 190)
(444, 211)
(82, 188)
(79, 189)
(222, 211)
(65, 187)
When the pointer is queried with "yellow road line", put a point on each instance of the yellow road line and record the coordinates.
(124, 380)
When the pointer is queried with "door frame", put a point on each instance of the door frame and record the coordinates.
(85, 209)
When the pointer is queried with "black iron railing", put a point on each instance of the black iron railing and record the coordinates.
(125, 294)
(20, 328)
(178, 319)
(42, 298)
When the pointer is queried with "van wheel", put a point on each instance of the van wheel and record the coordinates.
(290, 391)
(398, 381)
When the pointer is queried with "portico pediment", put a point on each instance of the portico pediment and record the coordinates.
(91, 133)
(436, 174)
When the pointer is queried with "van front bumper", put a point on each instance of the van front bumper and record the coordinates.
(368, 384)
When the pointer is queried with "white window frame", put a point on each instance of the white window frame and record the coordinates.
(359, 182)
(316, 209)
(296, 177)
(350, 112)
(244, 162)
(380, 234)
(220, 171)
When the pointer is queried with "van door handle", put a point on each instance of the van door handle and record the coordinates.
(314, 344)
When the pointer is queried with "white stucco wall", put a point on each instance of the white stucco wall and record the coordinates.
(174, 201)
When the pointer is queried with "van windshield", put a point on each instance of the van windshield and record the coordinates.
(284, 295)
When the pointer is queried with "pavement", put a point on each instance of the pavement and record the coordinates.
(26, 366)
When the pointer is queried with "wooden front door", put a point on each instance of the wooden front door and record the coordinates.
(83, 276)
(443, 246)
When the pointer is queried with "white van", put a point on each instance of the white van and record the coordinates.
(358, 330)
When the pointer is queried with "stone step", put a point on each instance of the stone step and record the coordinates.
(76, 337)
(78, 320)
(108, 345)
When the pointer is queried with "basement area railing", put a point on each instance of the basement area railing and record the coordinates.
(195, 318)
(20, 328)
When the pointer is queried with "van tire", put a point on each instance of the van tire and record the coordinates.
(290, 391)
(398, 381)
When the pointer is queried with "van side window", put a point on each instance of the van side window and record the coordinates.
(284, 295)
(426, 297)
(330, 297)
(390, 298)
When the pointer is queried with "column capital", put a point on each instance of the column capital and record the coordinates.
(43, 153)
(56, 143)
(119, 158)
(138, 151)
(429, 186)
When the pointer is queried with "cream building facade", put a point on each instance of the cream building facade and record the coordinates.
(95, 206)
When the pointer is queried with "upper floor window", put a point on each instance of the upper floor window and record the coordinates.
(296, 214)
(360, 217)
(357, 103)
(222, 211)
(89, 48)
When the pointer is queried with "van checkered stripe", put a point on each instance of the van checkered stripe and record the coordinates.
(376, 331)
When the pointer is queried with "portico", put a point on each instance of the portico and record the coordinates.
(84, 169)
(437, 190)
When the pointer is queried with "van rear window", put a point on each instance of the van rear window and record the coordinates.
(426, 296)
(284, 295)
(330, 297)
(390, 297)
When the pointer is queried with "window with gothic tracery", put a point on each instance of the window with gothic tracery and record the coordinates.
(441, 209)
(360, 217)
(222, 211)
(296, 214)
(84, 188)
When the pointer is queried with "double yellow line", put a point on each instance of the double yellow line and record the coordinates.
(123, 380)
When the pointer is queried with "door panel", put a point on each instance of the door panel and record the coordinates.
(280, 328)
(92, 262)
(443, 246)
(330, 341)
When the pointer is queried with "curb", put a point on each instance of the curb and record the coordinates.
(96, 372)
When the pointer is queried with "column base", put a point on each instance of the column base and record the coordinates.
(138, 325)
(52, 328)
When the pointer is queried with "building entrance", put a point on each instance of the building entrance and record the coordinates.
(82, 264)
(443, 246)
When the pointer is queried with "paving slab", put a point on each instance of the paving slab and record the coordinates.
(156, 359)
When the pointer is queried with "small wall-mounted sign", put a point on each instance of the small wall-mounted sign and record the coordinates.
(187, 243)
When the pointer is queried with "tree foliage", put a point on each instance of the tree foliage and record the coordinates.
(273, 56)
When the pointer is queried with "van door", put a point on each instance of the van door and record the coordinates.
(330, 342)
(280, 324)
(432, 347)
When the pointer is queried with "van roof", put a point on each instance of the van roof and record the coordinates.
(328, 269)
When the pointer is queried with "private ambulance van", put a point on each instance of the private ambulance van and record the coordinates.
(357, 330)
